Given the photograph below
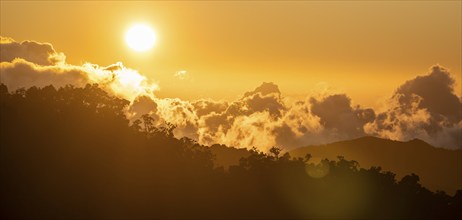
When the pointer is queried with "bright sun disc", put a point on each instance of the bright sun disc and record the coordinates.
(140, 37)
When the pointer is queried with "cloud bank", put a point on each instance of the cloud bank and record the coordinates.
(425, 107)
(31, 63)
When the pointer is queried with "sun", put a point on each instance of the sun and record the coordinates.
(140, 37)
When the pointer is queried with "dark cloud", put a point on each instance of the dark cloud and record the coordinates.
(425, 107)
(437, 92)
(205, 107)
(38, 53)
(336, 113)
(264, 89)
(265, 97)
(20, 73)
(285, 136)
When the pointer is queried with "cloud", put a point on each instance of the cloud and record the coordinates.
(250, 131)
(179, 113)
(206, 106)
(437, 92)
(262, 118)
(337, 114)
(142, 105)
(425, 107)
(31, 63)
(182, 74)
(299, 127)
(264, 89)
(21, 73)
(401, 122)
(39, 53)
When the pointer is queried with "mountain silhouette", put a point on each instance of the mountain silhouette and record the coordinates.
(438, 168)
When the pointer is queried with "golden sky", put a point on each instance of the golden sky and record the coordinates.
(365, 49)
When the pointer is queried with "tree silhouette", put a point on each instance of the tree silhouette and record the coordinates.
(70, 153)
(275, 151)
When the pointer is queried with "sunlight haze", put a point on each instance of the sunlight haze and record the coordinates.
(352, 47)
(230, 110)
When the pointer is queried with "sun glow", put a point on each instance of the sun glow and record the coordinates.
(140, 37)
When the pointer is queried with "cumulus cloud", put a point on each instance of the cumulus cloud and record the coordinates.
(31, 63)
(262, 118)
(207, 106)
(39, 53)
(437, 92)
(425, 107)
(142, 105)
(337, 114)
(21, 73)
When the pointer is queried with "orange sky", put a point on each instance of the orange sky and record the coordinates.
(365, 49)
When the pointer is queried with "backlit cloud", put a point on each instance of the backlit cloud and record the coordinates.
(30, 63)
(39, 53)
(182, 74)
(425, 107)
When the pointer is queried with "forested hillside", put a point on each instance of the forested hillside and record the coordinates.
(438, 168)
(70, 153)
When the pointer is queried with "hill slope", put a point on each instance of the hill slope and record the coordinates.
(438, 169)
(227, 156)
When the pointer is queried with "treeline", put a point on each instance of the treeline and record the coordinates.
(70, 153)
